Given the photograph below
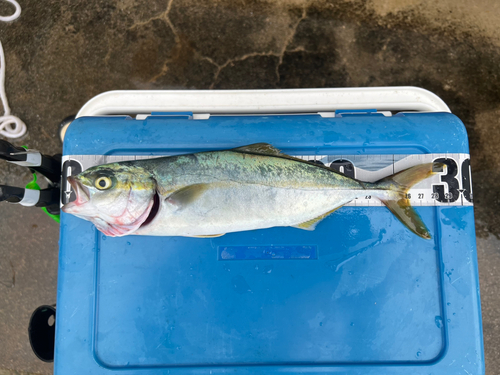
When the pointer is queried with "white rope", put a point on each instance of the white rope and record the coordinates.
(16, 14)
(10, 126)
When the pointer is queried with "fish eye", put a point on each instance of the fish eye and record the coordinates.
(103, 183)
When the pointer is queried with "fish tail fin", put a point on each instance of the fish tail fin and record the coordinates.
(396, 187)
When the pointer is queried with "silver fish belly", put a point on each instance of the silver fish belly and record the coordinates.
(231, 207)
(247, 192)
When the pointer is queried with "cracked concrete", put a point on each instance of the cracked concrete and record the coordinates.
(229, 62)
(61, 54)
(279, 55)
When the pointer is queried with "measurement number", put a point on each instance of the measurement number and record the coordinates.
(451, 182)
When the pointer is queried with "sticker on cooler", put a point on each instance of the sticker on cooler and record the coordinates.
(451, 186)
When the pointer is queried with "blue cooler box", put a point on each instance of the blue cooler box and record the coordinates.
(359, 295)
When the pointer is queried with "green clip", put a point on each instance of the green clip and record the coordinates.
(34, 186)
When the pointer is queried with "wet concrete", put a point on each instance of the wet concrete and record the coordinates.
(59, 55)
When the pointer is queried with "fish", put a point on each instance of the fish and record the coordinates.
(209, 194)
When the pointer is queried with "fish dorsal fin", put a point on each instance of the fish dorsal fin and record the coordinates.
(259, 148)
(267, 149)
(187, 195)
(311, 224)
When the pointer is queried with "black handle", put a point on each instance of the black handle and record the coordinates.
(48, 198)
(49, 166)
(42, 332)
(11, 194)
(10, 152)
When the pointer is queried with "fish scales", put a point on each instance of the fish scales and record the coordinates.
(178, 171)
(212, 193)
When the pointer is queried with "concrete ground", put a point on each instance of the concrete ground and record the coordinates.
(61, 54)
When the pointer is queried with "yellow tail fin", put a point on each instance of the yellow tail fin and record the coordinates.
(396, 201)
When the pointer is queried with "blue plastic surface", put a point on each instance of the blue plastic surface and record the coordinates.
(360, 295)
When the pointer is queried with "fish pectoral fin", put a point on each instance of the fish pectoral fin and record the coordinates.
(259, 148)
(187, 195)
(311, 224)
(209, 236)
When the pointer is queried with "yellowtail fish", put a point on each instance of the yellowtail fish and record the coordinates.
(208, 194)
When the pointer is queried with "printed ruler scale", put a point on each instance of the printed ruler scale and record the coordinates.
(451, 186)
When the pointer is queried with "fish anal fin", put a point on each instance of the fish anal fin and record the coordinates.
(187, 195)
(209, 235)
(259, 148)
(311, 224)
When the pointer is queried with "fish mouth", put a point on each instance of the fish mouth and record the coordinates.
(81, 191)
(153, 212)
(82, 195)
